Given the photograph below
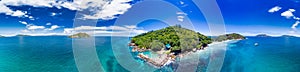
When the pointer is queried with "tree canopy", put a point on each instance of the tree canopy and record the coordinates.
(179, 38)
(229, 37)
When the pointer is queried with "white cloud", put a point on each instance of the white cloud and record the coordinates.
(289, 13)
(30, 17)
(180, 16)
(181, 2)
(25, 31)
(296, 18)
(110, 10)
(23, 22)
(106, 30)
(103, 9)
(68, 30)
(181, 13)
(53, 14)
(53, 27)
(274, 9)
(48, 23)
(295, 24)
(18, 13)
(34, 27)
(131, 27)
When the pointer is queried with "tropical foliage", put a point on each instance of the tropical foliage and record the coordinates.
(179, 38)
(229, 37)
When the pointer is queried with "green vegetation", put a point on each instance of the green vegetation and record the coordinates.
(80, 35)
(229, 37)
(179, 38)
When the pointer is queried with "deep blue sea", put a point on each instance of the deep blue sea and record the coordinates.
(55, 54)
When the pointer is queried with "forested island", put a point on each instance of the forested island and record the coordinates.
(79, 35)
(172, 41)
(262, 35)
(174, 38)
(287, 36)
(233, 36)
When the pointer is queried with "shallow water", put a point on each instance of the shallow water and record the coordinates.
(55, 54)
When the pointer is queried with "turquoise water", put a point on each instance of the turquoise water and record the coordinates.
(274, 54)
(55, 54)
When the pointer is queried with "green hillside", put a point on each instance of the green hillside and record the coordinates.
(229, 37)
(179, 38)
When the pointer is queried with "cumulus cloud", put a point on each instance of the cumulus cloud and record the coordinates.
(106, 30)
(274, 9)
(100, 9)
(18, 13)
(289, 13)
(110, 10)
(53, 27)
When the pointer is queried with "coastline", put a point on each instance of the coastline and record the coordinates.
(188, 55)
(211, 46)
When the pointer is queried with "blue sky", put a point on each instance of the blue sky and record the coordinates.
(44, 17)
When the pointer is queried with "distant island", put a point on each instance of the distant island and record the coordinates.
(1, 36)
(171, 42)
(233, 36)
(79, 35)
(262, 35)
(287, 36)
(22, 35)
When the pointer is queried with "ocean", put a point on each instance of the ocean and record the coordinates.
(55, 54)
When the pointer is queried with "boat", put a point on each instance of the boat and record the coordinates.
(255, 44)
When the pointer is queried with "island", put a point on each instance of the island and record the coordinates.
(232, 36)
(287, 36)
(262, 35)
(21, 35)
(79, 35)
(171, 42)
(1, 36)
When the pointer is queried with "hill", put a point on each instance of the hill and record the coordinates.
(22, 35)
(262, 35)
(178, 38)
(80, 35)
(229, 37)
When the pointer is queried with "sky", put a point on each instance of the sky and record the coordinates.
(102, 17)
